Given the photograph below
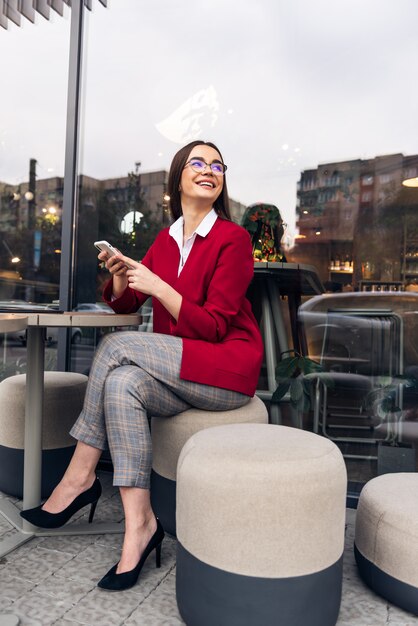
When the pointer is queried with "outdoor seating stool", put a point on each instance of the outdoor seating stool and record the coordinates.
(63, 401)
(260, 527)
(386, 538)
(169, 434)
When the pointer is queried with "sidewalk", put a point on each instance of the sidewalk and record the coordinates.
(52, 580)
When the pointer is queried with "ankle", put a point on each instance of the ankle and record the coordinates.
(142, 524)
(78, 482)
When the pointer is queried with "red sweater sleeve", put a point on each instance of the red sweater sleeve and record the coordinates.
(226, 293)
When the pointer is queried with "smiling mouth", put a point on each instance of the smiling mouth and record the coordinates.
(206, 183)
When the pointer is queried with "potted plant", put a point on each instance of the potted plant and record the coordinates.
(393, 454)
(265, 226)
(295, 375)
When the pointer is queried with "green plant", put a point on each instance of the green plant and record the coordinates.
(384, 400)
(295, 374)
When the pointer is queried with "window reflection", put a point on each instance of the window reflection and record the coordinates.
(307, 119)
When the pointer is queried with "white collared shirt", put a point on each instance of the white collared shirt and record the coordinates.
(176, 232)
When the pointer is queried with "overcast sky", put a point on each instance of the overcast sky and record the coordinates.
(279, 85)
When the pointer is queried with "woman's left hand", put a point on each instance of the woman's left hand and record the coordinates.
(140, 277)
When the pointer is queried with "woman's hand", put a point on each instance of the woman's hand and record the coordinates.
(142, 279)
(117, 269)
(113, 264)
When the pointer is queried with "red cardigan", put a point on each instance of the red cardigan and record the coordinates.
(222, 344)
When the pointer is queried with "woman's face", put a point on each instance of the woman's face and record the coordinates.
(205, 184)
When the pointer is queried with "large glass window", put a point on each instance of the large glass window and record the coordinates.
(32, 150)
(313, 113)
(32, 145)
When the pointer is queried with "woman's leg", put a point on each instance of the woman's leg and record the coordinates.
(131, 394)
(140, 525)
(115, 351)
(79, 476)
(133, 375)
(160, 356)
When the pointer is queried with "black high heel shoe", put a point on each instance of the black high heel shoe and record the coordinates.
(119, 582)
(43, 519)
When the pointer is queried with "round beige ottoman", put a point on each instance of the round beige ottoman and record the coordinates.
(63, 401)
(169, 434)
(260, 527)
(386, 538)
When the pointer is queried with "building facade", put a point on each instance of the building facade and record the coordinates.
(357, 223)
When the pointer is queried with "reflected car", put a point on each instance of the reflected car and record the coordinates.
(51, 335)
(93, 306)
(145, 310)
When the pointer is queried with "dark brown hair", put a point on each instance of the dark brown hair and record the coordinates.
(221, 205)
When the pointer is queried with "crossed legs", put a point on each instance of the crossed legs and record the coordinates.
(133, 375)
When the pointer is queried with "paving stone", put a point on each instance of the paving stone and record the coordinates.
(37, 564)
(70, 544)
(111, 540)
(104, 608)
(362, 609)
(11, 588)
(160, 608)
(64, 589)
(90, 565)
(25, 548)
(398, 617)
(41, 609)
(5, 606)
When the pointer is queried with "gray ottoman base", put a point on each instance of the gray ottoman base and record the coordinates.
(163, 501)
(54, 464)
(403, 595)
(207, 595)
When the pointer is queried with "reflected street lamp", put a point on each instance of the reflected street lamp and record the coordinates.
(13, 258)
(410, 182)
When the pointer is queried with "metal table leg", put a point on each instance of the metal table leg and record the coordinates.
(271, 356)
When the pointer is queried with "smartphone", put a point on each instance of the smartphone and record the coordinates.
(105, 246)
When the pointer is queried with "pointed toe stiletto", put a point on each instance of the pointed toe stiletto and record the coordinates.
(43, 519)
(119, 582)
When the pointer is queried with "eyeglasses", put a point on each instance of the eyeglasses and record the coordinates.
(199, 166)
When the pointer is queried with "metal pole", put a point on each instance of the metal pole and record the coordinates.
(32, 197)
(69, 207)
(33, 419)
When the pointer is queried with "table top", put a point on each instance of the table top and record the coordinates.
(11, 322)
(83, 318)
(291, 277)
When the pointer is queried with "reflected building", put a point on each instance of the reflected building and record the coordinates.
(128, 211)
(116, 192)
(357, 224)
(14, 206)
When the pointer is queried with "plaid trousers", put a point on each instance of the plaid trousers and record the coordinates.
(133, 376)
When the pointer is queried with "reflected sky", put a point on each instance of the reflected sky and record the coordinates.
(280, 86)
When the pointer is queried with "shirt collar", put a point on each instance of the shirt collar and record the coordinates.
(203, 229)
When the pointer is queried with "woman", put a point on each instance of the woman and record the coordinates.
(205, 352)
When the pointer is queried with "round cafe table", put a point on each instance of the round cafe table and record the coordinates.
(12, 322)
(36, 323)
